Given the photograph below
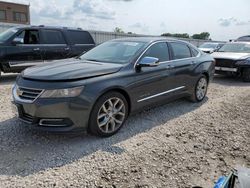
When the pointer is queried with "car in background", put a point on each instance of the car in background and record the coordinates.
(233, 59)
(210, 47)
(22, 47)
(98, 90)
(244, 38)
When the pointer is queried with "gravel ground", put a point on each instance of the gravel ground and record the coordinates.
(180, 144)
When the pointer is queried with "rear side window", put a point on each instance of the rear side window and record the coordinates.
(79, 37)
(193, 51)
(158, 50)
(180, 51)
(53, 37)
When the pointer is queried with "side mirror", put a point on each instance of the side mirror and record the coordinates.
(148, 62)
(17, 41)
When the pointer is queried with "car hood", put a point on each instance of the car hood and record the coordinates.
(69, 69)
(230, 55)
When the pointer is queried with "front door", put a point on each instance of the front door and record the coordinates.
(25, 50)
(154, 84)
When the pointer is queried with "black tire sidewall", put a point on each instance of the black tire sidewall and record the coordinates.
(93, 126)
(246, 75)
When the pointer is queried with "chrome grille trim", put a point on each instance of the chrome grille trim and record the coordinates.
(27, 95)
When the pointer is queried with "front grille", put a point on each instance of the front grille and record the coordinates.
(28, 94)
(225, 63)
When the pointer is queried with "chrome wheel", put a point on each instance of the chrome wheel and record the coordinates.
(201, 88)
(111, 115)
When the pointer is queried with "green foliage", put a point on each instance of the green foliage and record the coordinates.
(177, 35)
(203, 36)
(118, 30)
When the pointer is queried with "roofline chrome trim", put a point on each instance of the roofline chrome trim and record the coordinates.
(162, 93)
(162, 62)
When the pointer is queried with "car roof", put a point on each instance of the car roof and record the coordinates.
(48, 27)
(148, 39)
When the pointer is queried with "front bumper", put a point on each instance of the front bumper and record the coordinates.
(56, 115)
(226, 69)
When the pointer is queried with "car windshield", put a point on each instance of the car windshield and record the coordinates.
(209, 45)
(236, 48)
(7, 34)
(120, 52)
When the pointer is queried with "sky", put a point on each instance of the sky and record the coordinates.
(223, 19)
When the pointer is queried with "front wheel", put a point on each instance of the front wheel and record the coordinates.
(108, 114)
(200, 90)
(246, 75)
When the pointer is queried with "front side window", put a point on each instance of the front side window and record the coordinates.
(19, 16)
(158, 50)
(180, 51)
(120, 52)
(28, 37)
(53, 37)
(2, 15)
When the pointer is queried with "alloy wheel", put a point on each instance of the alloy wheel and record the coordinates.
(201, 88)
(111, 115)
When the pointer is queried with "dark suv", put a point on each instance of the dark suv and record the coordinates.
(21, 47)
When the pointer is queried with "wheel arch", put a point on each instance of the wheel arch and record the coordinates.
(121, 91)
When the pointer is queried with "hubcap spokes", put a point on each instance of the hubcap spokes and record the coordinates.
(201, 89)
(111, 115)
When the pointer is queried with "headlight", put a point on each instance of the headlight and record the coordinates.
(60, 93)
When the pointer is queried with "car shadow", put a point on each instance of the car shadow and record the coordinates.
(7, 79)
(230, 81)
(25, 151)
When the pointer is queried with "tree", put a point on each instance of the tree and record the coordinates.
(202, 36)
(118, 30)
(177, 35)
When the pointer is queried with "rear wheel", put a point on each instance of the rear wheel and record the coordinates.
(108, 114)
(200, 90)
(246, 74)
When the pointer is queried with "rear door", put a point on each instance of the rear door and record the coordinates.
(54, 45)
(183, 61)
(25, 50)
(80, 41)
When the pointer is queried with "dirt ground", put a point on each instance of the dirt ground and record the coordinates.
(180, 144)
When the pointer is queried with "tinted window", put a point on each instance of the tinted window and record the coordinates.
(53, 37)
(158, 50)
(28, 37)
(194, 51)
(180, 51)
(79, 37)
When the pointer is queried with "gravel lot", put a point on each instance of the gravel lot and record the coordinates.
(180, 144)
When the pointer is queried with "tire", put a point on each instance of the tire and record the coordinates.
(200, 90)
(108, 114)
(246, 75)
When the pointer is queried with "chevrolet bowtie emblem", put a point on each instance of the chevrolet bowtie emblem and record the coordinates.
(19, 92)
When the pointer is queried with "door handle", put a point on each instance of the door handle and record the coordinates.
(170, 66)
(67, 48)
(36, 49)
